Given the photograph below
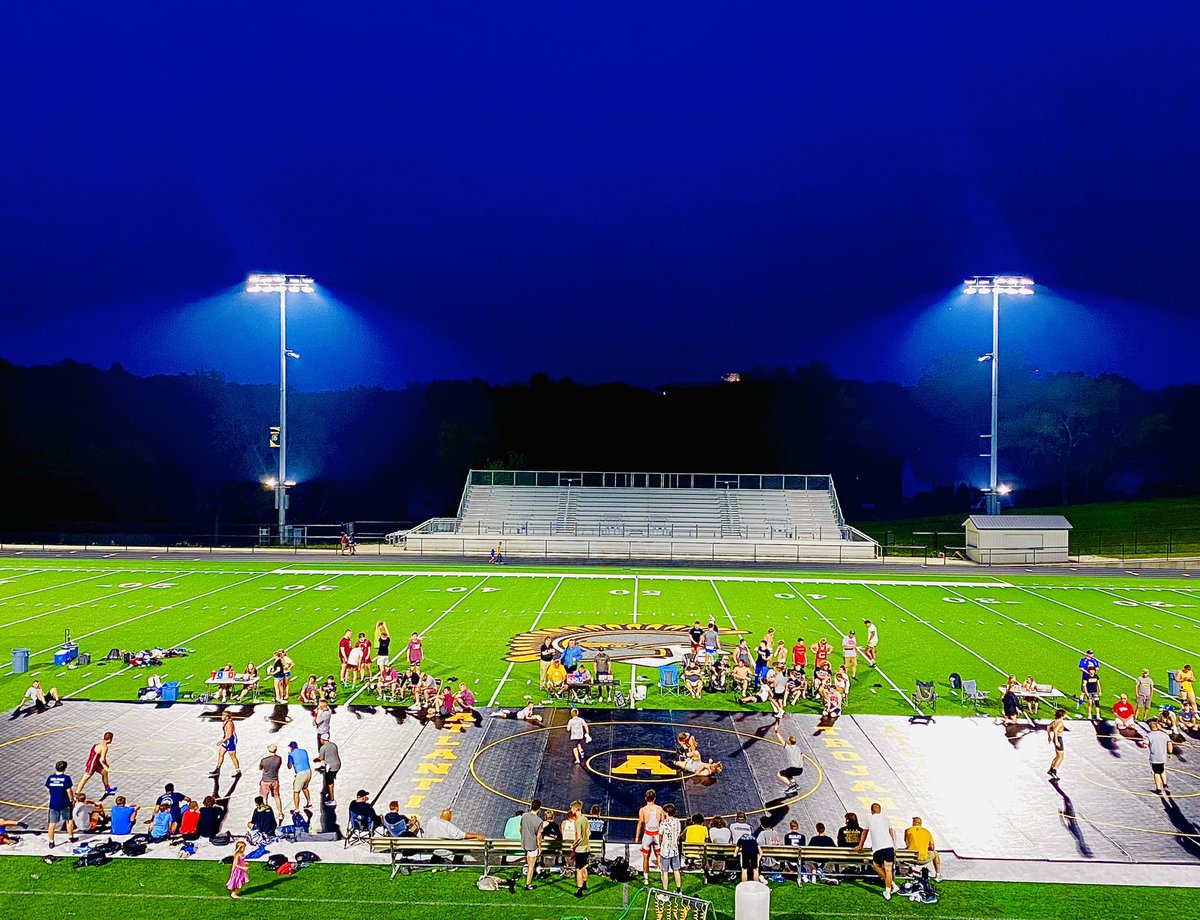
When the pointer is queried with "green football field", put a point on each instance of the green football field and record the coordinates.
(982, 627)
(144, 888)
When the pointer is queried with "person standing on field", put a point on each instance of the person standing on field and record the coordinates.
(871, 652)
(882, 838)
(97, 762)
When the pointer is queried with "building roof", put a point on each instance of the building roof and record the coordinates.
(1018, 522)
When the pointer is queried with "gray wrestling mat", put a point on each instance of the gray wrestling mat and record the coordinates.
(980, 788)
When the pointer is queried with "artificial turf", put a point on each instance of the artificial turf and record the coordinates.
(981, 627)
(129, 889)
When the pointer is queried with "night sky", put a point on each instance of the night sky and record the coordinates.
(606, 191)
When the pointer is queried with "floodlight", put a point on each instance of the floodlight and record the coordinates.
(281, 284)
(1012, 285)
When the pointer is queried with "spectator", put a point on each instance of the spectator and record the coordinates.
(61, 798)
(268, 782)
(88, 815)
(821, 839)
(581, 848)
(1092, 691)
(1010, 702)
(919, 839)
(1186, 679)
(567, 826)
(1088, 662)
(531, 840)
(1143, 692)
(1159, 745)
(850, 833)
(747, 848)
(211, 815)
(1125, 712)
(161, 825)
(556, 676)
(300, 765)
(740, 679)
(331, 762)
(545, 657)
(739, 827)
(669, 858)
(551, 832)
(882, 838)
(571, 656)
(189, 821)
(322, 721)
(719, 832)
(693, 681)
(123, 816)
(174, 801)
(512, 827)
(695, 832)
(36, 697)
(597, 826)
(310, 693)
(444, 828)
(262, 820)
(362, 814)
(793, 838)
(396, 824)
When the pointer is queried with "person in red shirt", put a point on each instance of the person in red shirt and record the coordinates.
(1124, 711)
(799, 654)
(415, 652)
(190, 820)
(821, 652)
(364, 667)
(344, 647)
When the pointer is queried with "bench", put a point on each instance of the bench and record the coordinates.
(706, 854)
(484, 854)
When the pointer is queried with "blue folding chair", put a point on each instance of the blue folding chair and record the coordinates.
(668, 679)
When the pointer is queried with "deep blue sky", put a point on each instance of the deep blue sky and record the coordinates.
(630, 191)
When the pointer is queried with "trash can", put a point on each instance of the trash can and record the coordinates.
(20, 660)
(751, 901)
(170, 691)
(1172, 683)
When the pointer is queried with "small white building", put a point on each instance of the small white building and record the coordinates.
(1017, 539)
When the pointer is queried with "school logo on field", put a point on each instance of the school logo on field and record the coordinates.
(650, 645)
(642, 765)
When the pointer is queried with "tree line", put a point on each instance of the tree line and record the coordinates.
(105, 445)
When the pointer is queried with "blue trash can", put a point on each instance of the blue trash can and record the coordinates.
(20, 660)
(170, 691)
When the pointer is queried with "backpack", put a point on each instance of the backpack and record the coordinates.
(221, 840)
(276, 860)
(92, 859)
(133, 847)
(307, 856)
(618, 869)
(109, 847)
(286, 869)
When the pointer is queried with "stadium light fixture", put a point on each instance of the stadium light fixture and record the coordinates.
(282, 285)
(1015, 286)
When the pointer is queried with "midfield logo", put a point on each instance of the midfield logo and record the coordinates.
(650, 645)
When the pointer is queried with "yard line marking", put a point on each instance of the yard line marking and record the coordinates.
(185, 641)
(321, 629)
(635, 594)
(1116, 624)
(90, 600)
(1047, 635)
(877, 669)
(452, 606)
(536, 620)
(713, 582)
(1182, 616)
(965, 648)
(96, 632)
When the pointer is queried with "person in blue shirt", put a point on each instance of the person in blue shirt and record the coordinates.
(161, 824)
(1089, 660)
(123, 816)
(174, 801)
(61, 801)
(298, 761)
(571, 656)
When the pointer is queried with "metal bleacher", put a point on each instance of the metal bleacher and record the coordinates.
(644, 515)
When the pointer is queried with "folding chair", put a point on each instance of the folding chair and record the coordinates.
(971, 692)
(357, 831)
(925, 697)
(668, 679)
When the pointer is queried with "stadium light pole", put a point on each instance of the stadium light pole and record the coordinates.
(1017, 285)
(283, 285)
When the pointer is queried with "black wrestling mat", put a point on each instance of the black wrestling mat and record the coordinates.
(979, 787)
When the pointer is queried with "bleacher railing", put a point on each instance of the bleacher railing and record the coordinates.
(647, 480)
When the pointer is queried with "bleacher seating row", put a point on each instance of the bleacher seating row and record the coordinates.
(408, 853)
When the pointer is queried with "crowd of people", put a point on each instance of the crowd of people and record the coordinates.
(772, 673)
